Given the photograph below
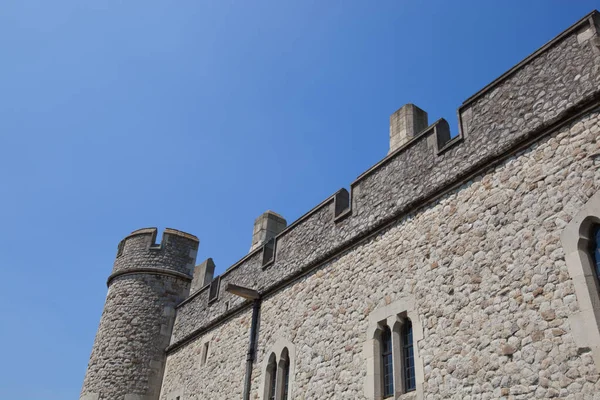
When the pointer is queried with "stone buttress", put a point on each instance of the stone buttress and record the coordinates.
(147, 282)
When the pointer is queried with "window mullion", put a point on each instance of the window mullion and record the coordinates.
(279, 381)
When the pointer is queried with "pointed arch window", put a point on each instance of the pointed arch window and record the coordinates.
(286, 381)
(271, 378)
(279, 372)
(284, 375)
(397, 358)
(581, 244)
(394, 366)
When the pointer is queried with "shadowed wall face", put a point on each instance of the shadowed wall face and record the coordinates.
(128, 355)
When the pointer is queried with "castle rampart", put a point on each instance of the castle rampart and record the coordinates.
(558, 83)
(443, 261)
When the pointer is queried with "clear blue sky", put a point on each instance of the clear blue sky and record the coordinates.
(118, 115)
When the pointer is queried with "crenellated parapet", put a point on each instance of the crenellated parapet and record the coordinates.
(139, 252)
(557, 83)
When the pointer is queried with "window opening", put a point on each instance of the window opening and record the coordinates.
(409, 356)
(272, 377)
(272, 384)
(286, 379)
(387, 362)
(204, 353)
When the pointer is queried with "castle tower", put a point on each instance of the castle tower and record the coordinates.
(147, 282)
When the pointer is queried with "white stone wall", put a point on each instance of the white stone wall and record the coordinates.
(486, 268)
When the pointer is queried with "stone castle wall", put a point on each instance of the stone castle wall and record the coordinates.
(544, 90)
(469, 228)
(486, 268)
(465, 230)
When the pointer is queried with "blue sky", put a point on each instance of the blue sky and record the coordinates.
(119, 115)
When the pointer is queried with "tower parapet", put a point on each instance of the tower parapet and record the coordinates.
(176, 253)
(147, 282)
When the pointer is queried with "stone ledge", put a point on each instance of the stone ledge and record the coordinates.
(154, 271)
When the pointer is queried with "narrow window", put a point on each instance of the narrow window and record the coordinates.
(283, 372)
(387, 362)
(286, 379)
(271, 378)
(272, 385)
(408, 355)
(596, 250)
(204, 353)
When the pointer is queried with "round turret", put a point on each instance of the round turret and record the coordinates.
(147, 282)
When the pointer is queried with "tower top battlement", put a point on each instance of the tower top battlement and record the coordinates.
(139, 252)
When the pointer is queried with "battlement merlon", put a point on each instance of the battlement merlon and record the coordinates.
(203, 275)
(139, 253)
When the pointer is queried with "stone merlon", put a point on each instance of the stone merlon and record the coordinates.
(405, 123)
(267, 226)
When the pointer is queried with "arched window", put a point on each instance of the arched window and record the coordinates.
(408, 356)
(397, 357)
(596, 249)
(581, 244)
(286, 380)
(387, 362)
(394, 366)
(279, 371)
(284, 374)
(271, 378)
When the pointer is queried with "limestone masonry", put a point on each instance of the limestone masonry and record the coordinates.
(458, 267)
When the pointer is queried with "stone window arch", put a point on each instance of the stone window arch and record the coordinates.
(394, 368)
(279, 367)
(580, 244)
(283, 375)
(271, 378)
